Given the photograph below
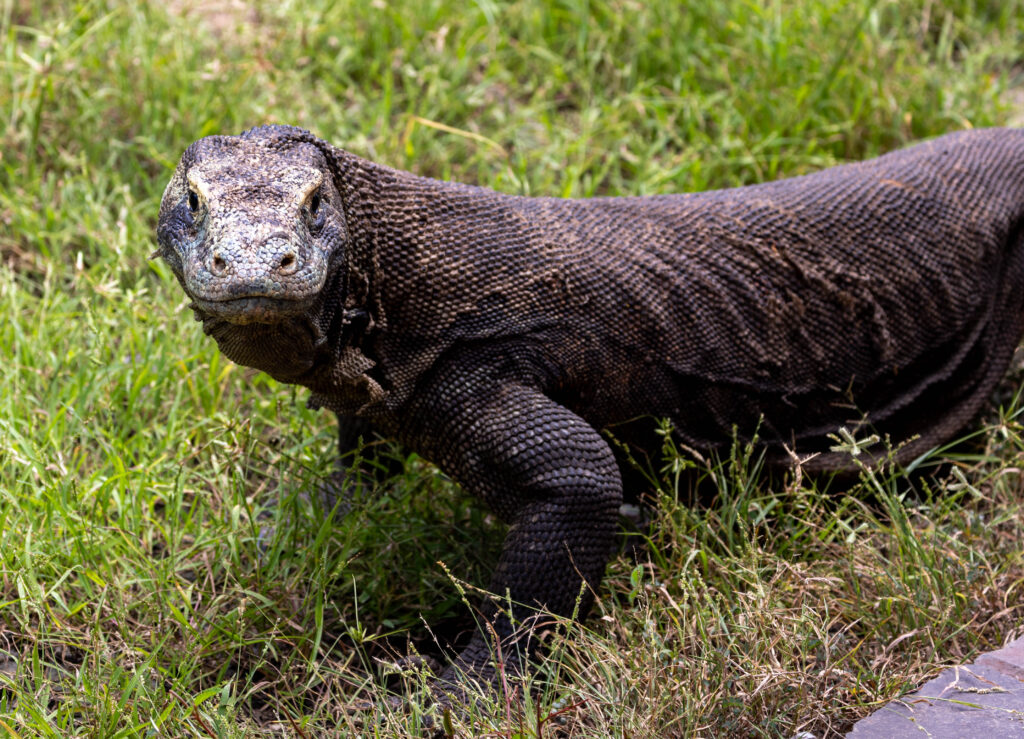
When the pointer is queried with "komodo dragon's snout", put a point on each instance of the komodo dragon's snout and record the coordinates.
(251, 249)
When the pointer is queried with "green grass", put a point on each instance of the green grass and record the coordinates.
(135, 461)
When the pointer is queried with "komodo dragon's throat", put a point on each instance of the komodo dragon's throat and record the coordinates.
(498, 335)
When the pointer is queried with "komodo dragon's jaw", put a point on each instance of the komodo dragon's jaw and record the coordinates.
(251, 227)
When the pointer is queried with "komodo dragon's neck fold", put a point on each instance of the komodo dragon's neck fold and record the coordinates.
(346, 383)
(360, 182)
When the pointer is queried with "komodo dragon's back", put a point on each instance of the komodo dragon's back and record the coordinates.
(888, 291)
(499, 335)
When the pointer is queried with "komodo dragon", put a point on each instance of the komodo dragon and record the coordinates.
(499, 335)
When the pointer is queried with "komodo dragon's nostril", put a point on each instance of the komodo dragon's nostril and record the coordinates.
(218, 265)
(281, 254)
(288, 263)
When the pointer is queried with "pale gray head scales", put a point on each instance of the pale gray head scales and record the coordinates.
(253, 225)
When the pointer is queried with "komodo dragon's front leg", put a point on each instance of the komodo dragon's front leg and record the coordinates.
(546, 473)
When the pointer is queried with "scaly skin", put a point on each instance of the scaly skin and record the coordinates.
(498, 335)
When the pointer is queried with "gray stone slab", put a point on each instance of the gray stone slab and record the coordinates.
(982, 699)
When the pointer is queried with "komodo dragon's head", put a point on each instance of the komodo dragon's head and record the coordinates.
(252, 225)
(254, 228)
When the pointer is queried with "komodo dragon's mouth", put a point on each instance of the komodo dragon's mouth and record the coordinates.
(252, 308)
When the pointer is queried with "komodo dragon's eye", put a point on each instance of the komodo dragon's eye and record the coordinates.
(314, 204)
(193, 201)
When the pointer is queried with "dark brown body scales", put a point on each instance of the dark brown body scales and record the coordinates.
(499, 335)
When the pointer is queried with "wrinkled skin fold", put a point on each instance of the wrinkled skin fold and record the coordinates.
(498, 336)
